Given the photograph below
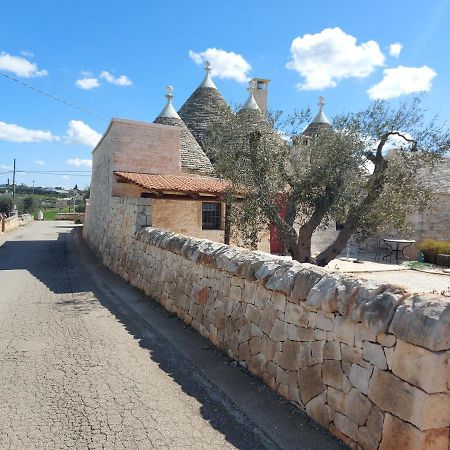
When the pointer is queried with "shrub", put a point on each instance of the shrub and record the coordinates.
(434, 246)
(80, 208)
(6, 204)
(28, 205)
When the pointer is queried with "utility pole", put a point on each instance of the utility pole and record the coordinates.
(14, 182)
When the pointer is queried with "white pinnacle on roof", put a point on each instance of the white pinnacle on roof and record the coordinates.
(321, 117)
(207, 81)
(251, 102)
(169, 110)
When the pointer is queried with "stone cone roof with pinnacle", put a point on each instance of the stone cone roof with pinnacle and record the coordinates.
(320, 121)
(203, 107)
(255, 118)
(193, 158)
(252, 113)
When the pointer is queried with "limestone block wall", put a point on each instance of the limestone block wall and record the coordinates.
(10, 223)
(25, 219)
(114, 235)
(365, 360)
(434, 223)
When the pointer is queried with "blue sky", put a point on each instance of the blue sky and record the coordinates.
(125, 53)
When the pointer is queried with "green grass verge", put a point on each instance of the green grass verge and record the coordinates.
(50, 214)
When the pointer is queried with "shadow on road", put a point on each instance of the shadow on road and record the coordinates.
(67, 266)
(47, 260)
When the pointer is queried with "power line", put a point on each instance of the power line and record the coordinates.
(53, 97)
(55, 171)
(78, 173)
(49, 171)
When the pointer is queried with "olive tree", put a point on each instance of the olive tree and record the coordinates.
(366, 173)
(28, 204)
(6, 204)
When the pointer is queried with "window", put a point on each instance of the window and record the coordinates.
(339, 226)
(211, 216)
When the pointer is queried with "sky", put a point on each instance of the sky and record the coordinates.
(113, 59)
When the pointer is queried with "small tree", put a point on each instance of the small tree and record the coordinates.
(29, 204)
(345, 174)
(6, 204)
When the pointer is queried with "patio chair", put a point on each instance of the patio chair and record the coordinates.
(382, 250)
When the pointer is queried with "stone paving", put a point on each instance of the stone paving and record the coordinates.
(413, 280)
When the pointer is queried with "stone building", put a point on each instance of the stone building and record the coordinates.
(434, 223)
(164, 164)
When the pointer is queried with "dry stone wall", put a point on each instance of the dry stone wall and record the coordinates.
(9, 224)
(366, 361)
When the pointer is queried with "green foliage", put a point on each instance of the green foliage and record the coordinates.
(6, 204)
(28, 205)
(434, 246)
(363, 172)
(80, 208)
(422, 266)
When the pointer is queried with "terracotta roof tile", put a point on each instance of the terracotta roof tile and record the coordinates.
(184, 184)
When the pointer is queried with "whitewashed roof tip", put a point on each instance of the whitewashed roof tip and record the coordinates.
(169, 110)
(251, 102)
(320, 116)
(207, 81)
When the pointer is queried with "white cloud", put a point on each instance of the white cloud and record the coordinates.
(87, 83)
(80, 133)
(224, 64)
(395, 49)
(325, 58)
(77, 162)
(4, 167)
(402, 80)
(14, 133)
(39, 162)
(27, 53)
(66, 177)
(20, 66)
(123, 80)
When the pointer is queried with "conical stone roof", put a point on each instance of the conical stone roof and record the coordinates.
(193, 158)
(203, 107)
(255, 118)
(319, 122)
(252, 113)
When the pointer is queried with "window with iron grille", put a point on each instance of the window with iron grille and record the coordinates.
(211, 216)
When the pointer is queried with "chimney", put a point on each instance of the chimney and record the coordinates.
(260, 92)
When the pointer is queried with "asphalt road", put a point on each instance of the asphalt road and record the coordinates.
(86, 361)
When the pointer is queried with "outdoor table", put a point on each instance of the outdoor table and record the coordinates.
(394, 245)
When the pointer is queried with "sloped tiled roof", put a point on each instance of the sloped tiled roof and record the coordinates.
(183, 184)
(202, 108)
